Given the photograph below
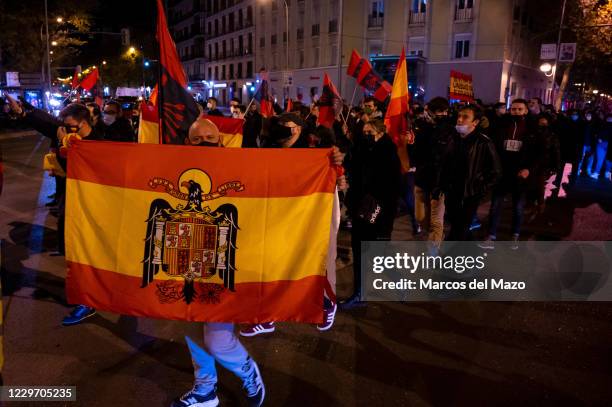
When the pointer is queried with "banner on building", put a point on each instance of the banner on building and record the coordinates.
(461, 86)
(199, 233)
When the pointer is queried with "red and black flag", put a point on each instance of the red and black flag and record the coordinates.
(361, 69)
(330, 104)
(264, 97)
(177, 108)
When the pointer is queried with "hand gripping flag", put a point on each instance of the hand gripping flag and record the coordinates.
(264, 97)
(396, 118)
(199, 233)
(330, 104)
(177, 108)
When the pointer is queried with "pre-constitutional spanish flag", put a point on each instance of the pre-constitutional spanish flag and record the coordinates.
(230, 130)
(199, 233)
(396, 118)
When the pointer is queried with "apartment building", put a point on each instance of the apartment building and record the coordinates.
(215, 41)
(225, 43)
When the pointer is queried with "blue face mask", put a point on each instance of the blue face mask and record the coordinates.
(574, 117)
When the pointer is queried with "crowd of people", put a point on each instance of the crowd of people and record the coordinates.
(451, 159)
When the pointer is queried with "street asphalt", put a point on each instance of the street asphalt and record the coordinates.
(384, 354)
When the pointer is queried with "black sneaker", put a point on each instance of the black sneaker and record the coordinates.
(253, 384)
(192, 399)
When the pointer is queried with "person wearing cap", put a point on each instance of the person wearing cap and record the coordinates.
(285, 131)
(220, 342)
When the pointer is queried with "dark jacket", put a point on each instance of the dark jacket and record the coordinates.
(214, 112)
(251, 129)
(570, 134)
(430, 143)
(120, 130)
(522, 131)
(471, 166)
(548, 152)
(374, 170)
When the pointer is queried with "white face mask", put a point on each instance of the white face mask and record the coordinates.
(209, 105)
(462, 129)
(588, 117)
(108, 119)
(235, 114)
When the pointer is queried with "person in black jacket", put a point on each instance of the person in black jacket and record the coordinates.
(515, 143)
(211, 105)
(117, 127)
(374, 177)
(432, 134)
(471, 167)
(548, 159)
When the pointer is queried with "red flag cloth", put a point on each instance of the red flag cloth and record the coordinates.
(330, 103)
(396, 118)
(372, 81)
(90, 80)
(354, 64)
(178, 110)
(289, 105)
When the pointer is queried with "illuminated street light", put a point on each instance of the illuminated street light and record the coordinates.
(103, 62)
(595, 91)
(545, 67)
(132, 50)
(59, 20)
(54, 43)
(50, 52)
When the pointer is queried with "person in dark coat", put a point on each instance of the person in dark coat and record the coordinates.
(374, 176)
(117, 127)
(470, 168)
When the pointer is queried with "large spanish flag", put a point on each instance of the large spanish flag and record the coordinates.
(199, 233)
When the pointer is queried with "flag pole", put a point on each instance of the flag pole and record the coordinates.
(249, 105)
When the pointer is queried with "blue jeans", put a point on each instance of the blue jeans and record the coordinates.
(600, 156)
(587, 155)
(224, 347)
(518, 204)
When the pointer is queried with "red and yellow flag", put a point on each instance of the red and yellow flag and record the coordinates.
(199, 233)
(396, 118)
(230, 130)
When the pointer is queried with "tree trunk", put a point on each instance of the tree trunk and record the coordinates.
(562, 87)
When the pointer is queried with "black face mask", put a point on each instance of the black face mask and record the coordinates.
(368, 138)
(207, 144)
(542, 128)
(72, 129)
(517, 118)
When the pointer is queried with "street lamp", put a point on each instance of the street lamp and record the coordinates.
(59, 20)
(595, 91)
(103, 62)
(54, 43)
(545, 67)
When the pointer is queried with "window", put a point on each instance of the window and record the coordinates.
(462, 46)
(463, 11)
(209, 73)
(416, 45)
(262, 42)
(333, 26)
(224, 49)
(273, 39)
(274, 61)
(419, 6)
(216, 50)
(250, 44)
(223, 26)
(249, 15)
(223, 72)
(210, 55)
(240, 46)
(216, 73)
(240, 70)
(315, 30)
(300, 34)
(240, 20)
(316, 55)
(231, 71)
(284, 36)
(249, 72)
(216, 28)
(377, 14)
(209, 29)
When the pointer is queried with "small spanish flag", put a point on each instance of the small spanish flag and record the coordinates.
(199, 233)
(230, 130)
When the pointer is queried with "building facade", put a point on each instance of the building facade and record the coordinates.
(225, 43)
(215, 41)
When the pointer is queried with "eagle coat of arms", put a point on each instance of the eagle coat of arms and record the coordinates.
(190, 242)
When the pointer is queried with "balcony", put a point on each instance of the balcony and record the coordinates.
(463, 14)
(375, 21)
(193, 55)
(237, 27)
(416, 18)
